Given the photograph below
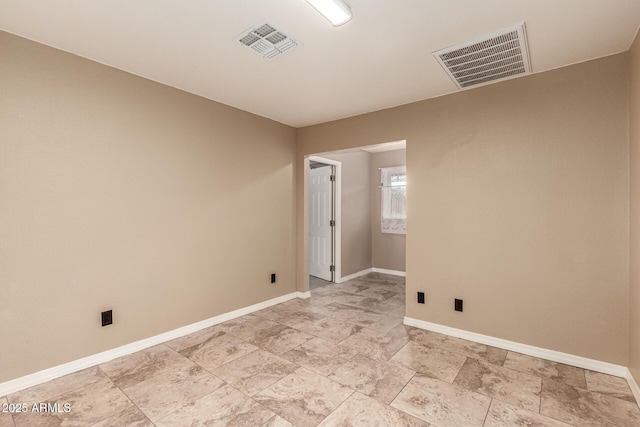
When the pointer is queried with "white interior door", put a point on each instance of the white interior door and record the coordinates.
(320, 216)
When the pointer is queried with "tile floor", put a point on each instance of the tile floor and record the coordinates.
(315, 283)
(341, 358)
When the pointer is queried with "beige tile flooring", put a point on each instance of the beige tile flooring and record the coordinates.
(315, 283)
(341, 358)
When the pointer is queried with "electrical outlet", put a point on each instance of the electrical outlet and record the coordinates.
(420, 297)
(457, 305)
(273, 277)
(107, 318)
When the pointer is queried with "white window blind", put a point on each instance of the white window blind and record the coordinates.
(394, 199)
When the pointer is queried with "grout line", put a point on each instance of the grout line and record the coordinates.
(488, 409)
(341, 403)
(466, 359)
(540, 397)
(487, 414)
(133, 403)
(401, 390)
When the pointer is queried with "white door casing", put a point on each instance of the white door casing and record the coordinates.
(320, 217)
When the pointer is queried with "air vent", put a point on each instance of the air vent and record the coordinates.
(498, 56)
(267, 40)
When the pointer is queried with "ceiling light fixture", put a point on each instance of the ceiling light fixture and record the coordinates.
(336, 11)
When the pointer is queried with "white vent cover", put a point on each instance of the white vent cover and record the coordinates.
(267, 40)
(498, 56)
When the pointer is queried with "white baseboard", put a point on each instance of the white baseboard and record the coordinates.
(543, 353)
(303, 295)
(354, 275)
(390, 272)
(40, 377)
(633, 385)
(371, 270)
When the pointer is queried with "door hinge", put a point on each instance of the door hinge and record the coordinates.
(333, 178)
(332, 223)
(332, 268)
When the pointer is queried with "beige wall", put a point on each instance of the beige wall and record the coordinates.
(388, 250)
(517, 204)
(356, 211)
(634, 207)
(120, 193)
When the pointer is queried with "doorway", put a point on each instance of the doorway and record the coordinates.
(358, 229)
(324, 214)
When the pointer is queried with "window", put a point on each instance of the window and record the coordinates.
(394, 199)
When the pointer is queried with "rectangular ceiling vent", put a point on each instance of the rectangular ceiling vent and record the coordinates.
(498, 56)
(267, 40)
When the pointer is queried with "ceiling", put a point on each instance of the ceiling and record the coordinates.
(380, 59)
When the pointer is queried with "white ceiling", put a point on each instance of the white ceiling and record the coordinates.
(381, 58)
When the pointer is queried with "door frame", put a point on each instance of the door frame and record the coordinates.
(337, 213)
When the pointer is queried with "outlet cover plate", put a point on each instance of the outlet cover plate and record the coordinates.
(107, 317)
